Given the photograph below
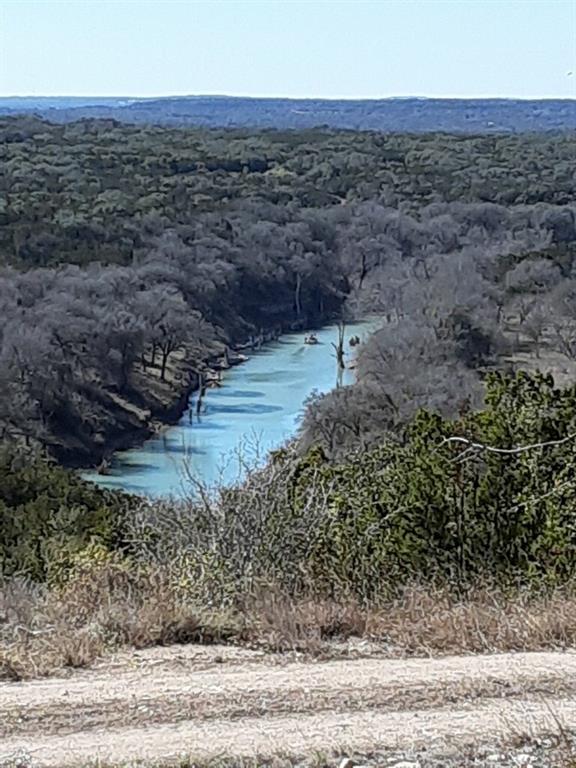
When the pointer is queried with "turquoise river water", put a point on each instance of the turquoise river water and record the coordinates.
(256, 409)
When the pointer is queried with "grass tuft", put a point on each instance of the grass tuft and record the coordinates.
(44, 630)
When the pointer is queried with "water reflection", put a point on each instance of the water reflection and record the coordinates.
(286, 372)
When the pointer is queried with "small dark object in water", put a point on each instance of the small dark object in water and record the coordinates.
(311, 339)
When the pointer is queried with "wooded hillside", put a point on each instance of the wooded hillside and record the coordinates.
(132, 253)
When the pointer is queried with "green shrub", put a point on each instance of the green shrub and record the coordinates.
(437, 507)
(48, 513)
(434, 508)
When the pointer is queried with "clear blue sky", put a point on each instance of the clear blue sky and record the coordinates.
(328, 48)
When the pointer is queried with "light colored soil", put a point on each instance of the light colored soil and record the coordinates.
(206, 702)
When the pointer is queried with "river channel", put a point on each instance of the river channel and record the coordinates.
(256, 409)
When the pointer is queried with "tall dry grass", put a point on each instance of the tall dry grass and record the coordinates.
(422, 621)
(45, 630)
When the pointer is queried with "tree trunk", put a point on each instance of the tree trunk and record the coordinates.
(363, 271)
(339, 347)
(201, 393)
(297, 295)
(166, 350)
(124, 375)
(165, 356)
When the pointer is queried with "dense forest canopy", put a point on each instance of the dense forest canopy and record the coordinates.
(97, 190)
(125, 248)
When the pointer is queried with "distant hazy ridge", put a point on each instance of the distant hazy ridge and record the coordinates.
(410, 114)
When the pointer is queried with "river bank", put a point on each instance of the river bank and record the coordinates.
(255, 408)
(151, 403)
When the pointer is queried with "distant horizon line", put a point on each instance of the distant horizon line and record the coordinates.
(20, 97)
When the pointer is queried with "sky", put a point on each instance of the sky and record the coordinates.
(296, 48)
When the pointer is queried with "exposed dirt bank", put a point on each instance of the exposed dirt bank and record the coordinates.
(148, 405)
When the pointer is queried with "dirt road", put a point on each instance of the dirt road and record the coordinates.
(202, 702)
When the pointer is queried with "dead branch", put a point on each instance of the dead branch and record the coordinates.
(480, 447)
